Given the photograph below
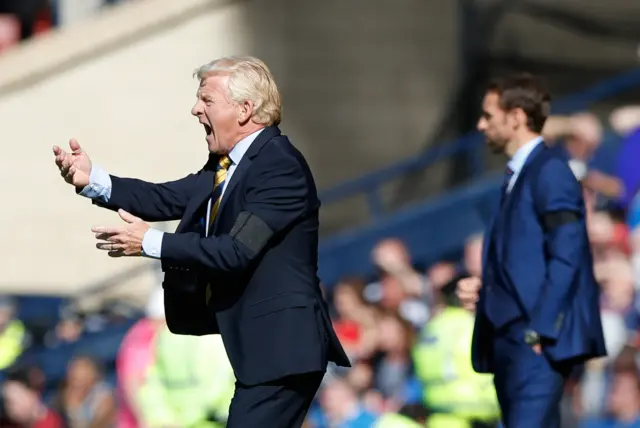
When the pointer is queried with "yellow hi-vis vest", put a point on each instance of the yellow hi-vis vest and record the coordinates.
(394, 420)
(11, 343)
(442, 359)
(191, 378)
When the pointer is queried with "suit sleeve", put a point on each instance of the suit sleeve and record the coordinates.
(150, 201)
(561, 212)
(276, 198)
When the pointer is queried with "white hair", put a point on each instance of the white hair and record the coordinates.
(249, 80)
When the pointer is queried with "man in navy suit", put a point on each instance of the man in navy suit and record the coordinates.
(537, 314)
(243, 260)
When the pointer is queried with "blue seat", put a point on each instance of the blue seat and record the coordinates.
(41, 310)
(103, 346)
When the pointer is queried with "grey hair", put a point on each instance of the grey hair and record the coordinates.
(249, 80)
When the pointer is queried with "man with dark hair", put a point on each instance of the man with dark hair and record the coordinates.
(537, 314)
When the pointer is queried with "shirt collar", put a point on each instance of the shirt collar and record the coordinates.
(520, 157)
(236, 154)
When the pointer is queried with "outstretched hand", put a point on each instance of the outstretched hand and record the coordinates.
(123, 240)
(74, 166)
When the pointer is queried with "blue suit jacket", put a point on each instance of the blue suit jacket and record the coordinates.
(268, 306)
(546, 271)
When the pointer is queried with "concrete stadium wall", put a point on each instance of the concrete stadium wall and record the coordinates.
(362, 86)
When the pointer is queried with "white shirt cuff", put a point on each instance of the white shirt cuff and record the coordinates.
(152, 243)
(99, 186)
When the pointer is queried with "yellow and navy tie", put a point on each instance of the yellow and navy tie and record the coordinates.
(218, 185)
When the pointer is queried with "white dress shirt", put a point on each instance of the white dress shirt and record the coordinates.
(519, 159)
(100, 188)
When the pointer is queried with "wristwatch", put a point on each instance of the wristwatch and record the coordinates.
(531, 337)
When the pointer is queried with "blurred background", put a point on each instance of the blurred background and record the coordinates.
(382, 98)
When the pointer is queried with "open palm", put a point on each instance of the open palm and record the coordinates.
(75, 165)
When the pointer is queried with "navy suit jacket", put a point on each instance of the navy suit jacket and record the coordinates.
(267, 306)
(537, 272)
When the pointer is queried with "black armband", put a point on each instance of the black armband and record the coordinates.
(559, 218)
(252, 232)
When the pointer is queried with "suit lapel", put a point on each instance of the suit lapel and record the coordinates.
(239, 172)
(488, 236)
(504, 217)
(204, 188)
(243, 166)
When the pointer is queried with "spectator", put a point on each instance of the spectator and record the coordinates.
(354, 322)
(135, 358)
(626, 122)
(23, 405)
(582, 136)
(441, 273)
(9, 31)
(85, 400)
(25, 12)
(401, 287)
(190, 382)
(409, 416)
(443, 363)
(472, 261)
(635, 257)
(68, 330)
(623, 404)
(342, 408)
(13, 336)
(394, 367)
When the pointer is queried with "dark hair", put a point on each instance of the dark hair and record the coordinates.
(414, 411)
(24, 375)
(527, 92)
(448, 292)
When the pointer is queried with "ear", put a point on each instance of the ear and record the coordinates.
(245, 111)
(519, 117)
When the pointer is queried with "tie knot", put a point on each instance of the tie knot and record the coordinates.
(224, 162)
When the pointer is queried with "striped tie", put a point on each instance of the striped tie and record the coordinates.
(216, 197)
(218, 186)
(508, 174)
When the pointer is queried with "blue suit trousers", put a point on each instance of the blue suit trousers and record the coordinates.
(528, 385)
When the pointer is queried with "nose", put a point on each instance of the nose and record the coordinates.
(482, 124)
(196, 110)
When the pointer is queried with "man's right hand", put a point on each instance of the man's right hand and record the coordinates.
(468, 290)
(75, 166)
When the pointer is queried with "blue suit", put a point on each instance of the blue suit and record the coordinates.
(537, 275)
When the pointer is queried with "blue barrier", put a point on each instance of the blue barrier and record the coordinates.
(369, 184)
(42, 310)
(430, 230)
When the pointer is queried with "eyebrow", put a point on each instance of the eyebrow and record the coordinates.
(201, 95)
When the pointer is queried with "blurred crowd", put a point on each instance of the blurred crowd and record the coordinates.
(22, 19)
(404, 331)
(407, 336)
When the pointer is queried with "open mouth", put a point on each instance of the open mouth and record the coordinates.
(207, 128)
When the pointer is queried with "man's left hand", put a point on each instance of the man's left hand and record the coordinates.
(124, 240)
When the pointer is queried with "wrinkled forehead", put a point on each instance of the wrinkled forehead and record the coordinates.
(214, 80)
